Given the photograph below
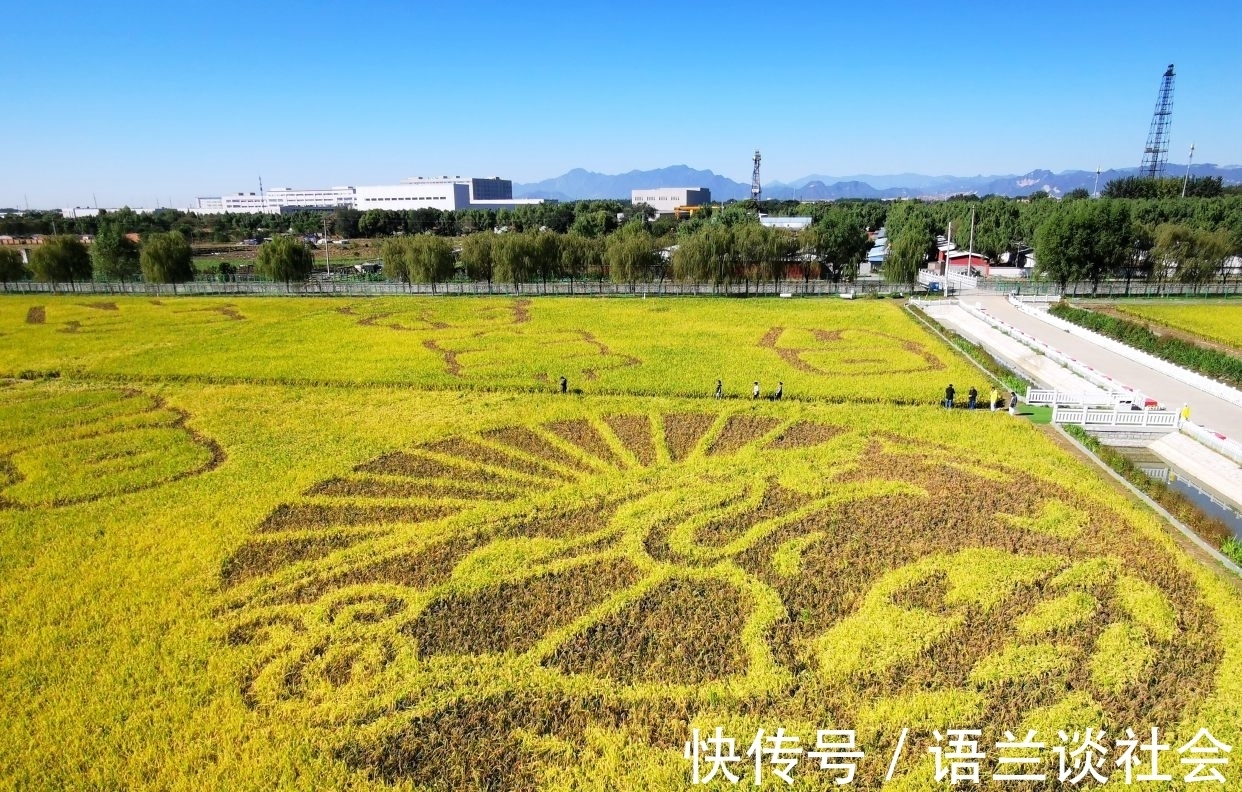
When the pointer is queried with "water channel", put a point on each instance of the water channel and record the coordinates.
(1211, 503)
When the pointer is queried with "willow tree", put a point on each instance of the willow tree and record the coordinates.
(166, 258)
(61, 259)
(285, 258)
(476, 257)
(11, 266)
(431, 260)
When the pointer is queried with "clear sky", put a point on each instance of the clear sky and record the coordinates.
(139, 103)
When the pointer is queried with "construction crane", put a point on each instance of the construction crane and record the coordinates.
(1156, 154)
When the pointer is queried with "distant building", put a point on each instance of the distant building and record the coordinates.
(79, 211)
(446, 193)
(667, 200)
(787, 223)
(966, 261)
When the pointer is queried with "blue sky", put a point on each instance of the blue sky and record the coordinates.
(139, 103)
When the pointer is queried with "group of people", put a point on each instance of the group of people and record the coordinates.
(755, 391)
(972, 397)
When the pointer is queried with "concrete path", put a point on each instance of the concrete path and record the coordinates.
(1206, 410)
(1045, 372)
(1210, 468)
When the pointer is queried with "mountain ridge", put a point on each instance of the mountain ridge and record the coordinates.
(581, 184)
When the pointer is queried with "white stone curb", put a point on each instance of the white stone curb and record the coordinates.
(1185, 376)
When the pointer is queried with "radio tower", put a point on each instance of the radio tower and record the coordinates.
(1157, 152)
(755, 189)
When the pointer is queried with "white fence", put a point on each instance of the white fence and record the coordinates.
(962, 281)
(1092, 376)
(1157, 473)
(1046, 299)
(927, 278)
(1185, 376)
(1053, 397)
(1116, 419)
(1213, 440)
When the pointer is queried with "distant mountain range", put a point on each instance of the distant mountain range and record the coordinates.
(580, 184)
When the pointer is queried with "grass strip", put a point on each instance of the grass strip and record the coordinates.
(977, 354)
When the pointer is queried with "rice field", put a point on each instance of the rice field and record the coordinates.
(300, 561)
(1218, 320)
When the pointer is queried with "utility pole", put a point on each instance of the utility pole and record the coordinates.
(327, 243)
(1191, 159)
(755, 189)
(970, 252)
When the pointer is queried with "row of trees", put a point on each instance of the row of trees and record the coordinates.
(160, 258)
(720, 253)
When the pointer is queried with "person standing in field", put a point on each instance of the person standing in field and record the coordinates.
(719, 389)
(755, 391)
(948, 396)
(995, 398)
(971, 397)
(564, 385)
(1013, 403)
(780, 389)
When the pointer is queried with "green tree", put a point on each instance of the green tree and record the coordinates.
(398, 257)
(476, 257)
(907, 254)
(511, 258)
(692, 260)
(378, 222)
(839, 244)
(11, 266)
(1193, 256)
(594, 224)
(545, 252)
(285, 258)
(580, 255)
(1087, 240)
(114, 255)
(1062, 247)
(167, 258)
(431, 260)
(630, 255)
(61, 259)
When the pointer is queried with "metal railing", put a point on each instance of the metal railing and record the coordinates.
(363, 288)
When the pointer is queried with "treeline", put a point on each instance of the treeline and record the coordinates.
(734, 249)
(162, 257)
(1076, 239)
(1163, 237)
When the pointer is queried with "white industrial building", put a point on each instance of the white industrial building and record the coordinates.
(446, 193)
(786, 223)
(666, 200)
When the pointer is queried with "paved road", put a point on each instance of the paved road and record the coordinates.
(1206, 410)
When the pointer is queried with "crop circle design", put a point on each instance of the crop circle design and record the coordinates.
(504, 592)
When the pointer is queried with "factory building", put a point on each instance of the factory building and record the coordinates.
(446, 193)
(667, 200)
